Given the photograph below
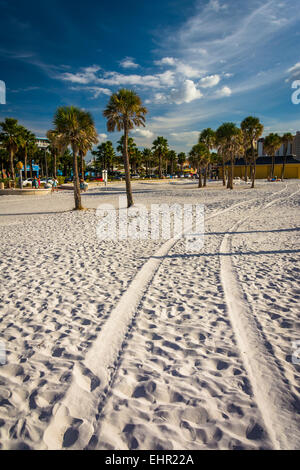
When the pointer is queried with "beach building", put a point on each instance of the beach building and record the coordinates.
(264, 164)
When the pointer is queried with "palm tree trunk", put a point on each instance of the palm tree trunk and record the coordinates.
(160, 166)
(231, 172)
(205, 176)
(200, 178)
(54, 164)
(224, 176)
(253, 173)
(25, 164)
(228, 177)
(12, 168)
(77, 195)
(82, 166)
(283, 167)
(126, 167)
(253, 166)
(46, 164)
(273, 166)
(246, 172)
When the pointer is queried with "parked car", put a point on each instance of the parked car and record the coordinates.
(27, 181)
(135, 176)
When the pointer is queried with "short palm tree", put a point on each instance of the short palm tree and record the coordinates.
(123, 112)
(208, 137)
(56, 148)
(160, 148)
(12, 140)
(272, 143)
(181, 158)
(76, 128)
(28, 139)
(172, 159)
(147, 159)
(252, 129)
(285, 139)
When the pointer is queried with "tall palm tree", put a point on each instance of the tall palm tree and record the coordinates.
(75, 127)
(231, 137)
(252, 129)
(222, 150)
(272, 143)
(12, 140)
(160, 148)
(286, 139)
(198, 158)
(123, 112)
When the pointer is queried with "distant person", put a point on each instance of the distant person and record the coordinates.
(54, 185)
(39, 181)
(83, 185)
(35, 183)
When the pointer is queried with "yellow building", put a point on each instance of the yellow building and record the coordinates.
(264, 165)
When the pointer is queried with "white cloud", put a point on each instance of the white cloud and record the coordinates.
(209, 81)
(166, 61)
(167, 78)
(128, 63)
(223, 92)
(216, 6)
(294, 71)
(102, 137)
(143, 133)
(95, 90)
(182, 68)
(186, 93)
(87, 75)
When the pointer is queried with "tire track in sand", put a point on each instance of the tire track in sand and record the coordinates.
(269, 385)
(72, 422)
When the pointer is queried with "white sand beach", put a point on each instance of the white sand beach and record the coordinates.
(139, 344)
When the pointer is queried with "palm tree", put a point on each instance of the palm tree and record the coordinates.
(105, 155)
(123, 112)
(231, 137)
(286, 139)
(77, 129)
(172, 158)
(28, 139)
(222, 150)
(160, 148)
(11, 138)
(86, 143)
(272, 143)
(198, 158)
(208, 137)
(252, 129)
(56, 147)
(181, 158)
(147, 159)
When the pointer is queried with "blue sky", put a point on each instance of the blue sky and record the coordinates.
(194, 63)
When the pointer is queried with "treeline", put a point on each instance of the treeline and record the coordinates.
(74, 129)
